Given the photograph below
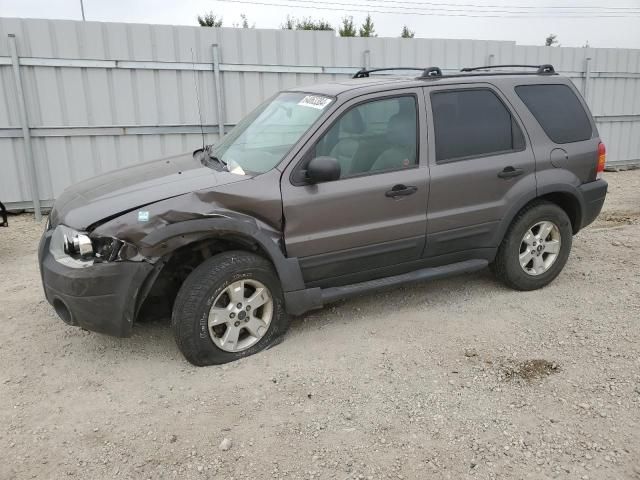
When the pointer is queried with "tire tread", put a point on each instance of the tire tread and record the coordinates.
(197, 286)
(500, 265)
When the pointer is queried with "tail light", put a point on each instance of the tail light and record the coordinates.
(602, 159)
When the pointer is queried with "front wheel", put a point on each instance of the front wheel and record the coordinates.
(230, 307)
(535, 248)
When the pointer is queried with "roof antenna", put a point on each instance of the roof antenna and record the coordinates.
(195, 81)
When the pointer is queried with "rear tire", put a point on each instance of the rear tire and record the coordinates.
(213, 321)
(528, 257)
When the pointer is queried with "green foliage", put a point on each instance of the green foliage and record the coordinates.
(406, 33)
(209, 20)
(305, 24)
(347, 29)
(551, 40)
(289, 24)
(367, 29)
(244, 23)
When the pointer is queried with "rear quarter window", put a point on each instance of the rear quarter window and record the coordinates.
(558, 111)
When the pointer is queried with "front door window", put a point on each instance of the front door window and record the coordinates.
(372, 137)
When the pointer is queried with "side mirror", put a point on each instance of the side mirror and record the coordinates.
(323, 169)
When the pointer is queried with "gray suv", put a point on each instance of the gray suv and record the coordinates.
(329, 191)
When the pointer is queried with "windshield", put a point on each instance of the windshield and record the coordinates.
(261, 140)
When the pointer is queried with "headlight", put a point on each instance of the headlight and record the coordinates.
(79, 245)
(78, 250)
(109, 249)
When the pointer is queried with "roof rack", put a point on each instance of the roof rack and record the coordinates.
(426, 72)
(431, 72)
(540, 69)
(435, 72)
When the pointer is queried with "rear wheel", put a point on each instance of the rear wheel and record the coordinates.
(230, 307)
(535, 248)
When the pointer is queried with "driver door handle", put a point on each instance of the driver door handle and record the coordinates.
(401, 190)
(510, 172)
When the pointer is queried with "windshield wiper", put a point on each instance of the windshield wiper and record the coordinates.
(207, 150)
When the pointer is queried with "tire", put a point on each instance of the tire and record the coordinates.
(507, 265)
(212, 281)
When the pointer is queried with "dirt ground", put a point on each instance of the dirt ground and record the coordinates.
(460, 378)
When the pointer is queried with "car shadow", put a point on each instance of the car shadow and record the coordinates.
(153, 338)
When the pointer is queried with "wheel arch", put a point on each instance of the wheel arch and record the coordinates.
(239, 233)
(566, 197)
(181, 247)
(570, 204)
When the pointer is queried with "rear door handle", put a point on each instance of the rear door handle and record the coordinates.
(401, 190)
(510, 172)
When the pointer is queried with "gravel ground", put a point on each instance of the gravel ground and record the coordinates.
(460, 378)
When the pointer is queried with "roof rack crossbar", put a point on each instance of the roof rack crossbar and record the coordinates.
(542, 69)
(364, 73)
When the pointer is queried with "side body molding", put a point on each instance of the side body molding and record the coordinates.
(510, 214)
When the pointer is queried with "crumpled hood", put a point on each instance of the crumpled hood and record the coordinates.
(119, 191)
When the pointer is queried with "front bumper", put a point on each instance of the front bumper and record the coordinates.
(593, 195)
(103, 297)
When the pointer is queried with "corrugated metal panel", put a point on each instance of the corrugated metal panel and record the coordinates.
(103, 95)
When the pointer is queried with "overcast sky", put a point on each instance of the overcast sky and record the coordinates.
(614, 23)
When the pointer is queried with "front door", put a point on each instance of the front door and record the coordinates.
(481, 164)
(373, 217)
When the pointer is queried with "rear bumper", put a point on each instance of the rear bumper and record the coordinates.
(102, 297)
(593, 195)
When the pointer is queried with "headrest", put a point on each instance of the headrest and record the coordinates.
(352, 122)
(401, 129)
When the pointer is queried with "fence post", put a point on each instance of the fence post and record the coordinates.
(218, 88)
(366, 59)
(587, 79)
(26, 134)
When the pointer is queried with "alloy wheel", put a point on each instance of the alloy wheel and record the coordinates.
(539, 248)
(240, 315)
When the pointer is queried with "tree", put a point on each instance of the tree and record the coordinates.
(551, 40)
(347, 29)
(289, 24)
(406, 33)
(367, 29)
(245, 22)
(209, 20)
(305, 24)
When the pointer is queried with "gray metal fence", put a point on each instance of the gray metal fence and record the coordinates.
(81, 98)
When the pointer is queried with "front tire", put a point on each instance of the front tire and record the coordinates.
(231, 306)
(535, 248)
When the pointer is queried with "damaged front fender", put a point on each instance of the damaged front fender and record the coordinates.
(252, 213)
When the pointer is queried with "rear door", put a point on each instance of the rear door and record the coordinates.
(480, 164)
(373, 218)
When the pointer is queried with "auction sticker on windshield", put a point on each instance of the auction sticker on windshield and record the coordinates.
(314, 101)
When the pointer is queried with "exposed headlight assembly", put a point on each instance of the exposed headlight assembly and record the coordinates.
(79, 245)
(109, 249)
(78, 250)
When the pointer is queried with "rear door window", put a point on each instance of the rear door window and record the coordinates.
(472, 123)
(558, 111)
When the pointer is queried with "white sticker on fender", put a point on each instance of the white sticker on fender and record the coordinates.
(314, 101)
